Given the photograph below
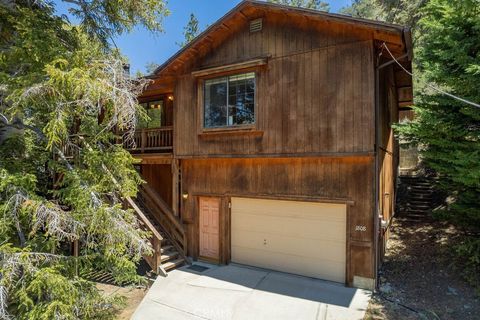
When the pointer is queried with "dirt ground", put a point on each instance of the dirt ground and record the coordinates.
(418, 278)
(133, 297)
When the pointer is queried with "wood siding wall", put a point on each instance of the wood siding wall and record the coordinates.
(159, 177)
(389, 152)
(314, 134)
(316, 94)
(343, 180)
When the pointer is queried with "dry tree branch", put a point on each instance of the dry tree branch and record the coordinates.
(137, 245)
(4, 315)
(120, 92)
(55, 221)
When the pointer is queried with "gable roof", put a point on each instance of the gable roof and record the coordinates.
(395, 35)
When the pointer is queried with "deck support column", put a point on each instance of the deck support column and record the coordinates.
(144, 141)
(175, 187)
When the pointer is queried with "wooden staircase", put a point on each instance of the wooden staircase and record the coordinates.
(416, 197)
(167, 234)
(168, 237)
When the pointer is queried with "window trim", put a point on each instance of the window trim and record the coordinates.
(243, 128)
(230, 68)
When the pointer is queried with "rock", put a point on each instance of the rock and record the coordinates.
(466, 306)
(452, 291)
(386, 288)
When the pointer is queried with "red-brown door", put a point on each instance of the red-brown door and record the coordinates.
(209, 227)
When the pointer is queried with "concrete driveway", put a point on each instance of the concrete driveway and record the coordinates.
(241, 292)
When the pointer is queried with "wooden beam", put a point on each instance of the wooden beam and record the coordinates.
(277, 196)
(363, 155)
(404, 104)
(175, 186)
(155, 158)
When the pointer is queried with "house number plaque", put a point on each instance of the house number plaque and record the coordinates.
(361, 228)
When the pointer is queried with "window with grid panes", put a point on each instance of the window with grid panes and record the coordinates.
(155, 112)
(229, 101)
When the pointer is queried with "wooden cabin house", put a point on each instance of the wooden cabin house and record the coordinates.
(271, 145)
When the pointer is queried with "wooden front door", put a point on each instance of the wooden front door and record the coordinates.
(209, 246)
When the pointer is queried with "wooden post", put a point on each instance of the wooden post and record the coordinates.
(175, 187)
(76, 254)
(157, 255)
(144, 140)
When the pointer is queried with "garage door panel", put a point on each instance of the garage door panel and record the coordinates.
(305, 238)
(328, 270)
(266, 207)
(275, 243)
(292, 227)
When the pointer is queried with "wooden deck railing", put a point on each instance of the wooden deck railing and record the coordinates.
(166, 219)
(155, 139)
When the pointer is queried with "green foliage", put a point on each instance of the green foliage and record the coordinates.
(104, 19)
(468, 254)
(190, 31)
(369, 9)
(404, 12)
(446, 131)
(51, 295)
(308, 4)
(64, 93)
(151, 67)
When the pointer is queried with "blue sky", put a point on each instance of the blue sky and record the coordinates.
(142, 47)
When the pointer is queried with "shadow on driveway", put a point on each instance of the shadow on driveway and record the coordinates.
(242, 292)
(276, 282)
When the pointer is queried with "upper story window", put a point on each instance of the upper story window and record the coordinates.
(155, 111)
(229, 101)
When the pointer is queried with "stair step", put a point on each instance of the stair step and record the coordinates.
(419, 197)
(418, 187)
(420, 202)
(418, 184)
(415, 212)
(166, 248)
(168, 256)
(173, 264)
(417, 205)
(415, 209)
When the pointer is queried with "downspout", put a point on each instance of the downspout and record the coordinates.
(407, 39)
(377, 122)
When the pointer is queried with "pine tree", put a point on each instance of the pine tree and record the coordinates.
(308, 4)
(446, 131)
(404, 12)
(151, 67)
(190, 31)
(63, 88)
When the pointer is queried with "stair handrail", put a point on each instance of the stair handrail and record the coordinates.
(143, 218)
(155, 261)
(163, 206)
(179, 230)
(157, 238)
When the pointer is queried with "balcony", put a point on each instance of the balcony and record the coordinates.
(152, 140)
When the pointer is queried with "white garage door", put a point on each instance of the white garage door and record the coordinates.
(306, 238)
